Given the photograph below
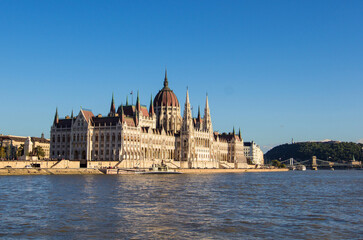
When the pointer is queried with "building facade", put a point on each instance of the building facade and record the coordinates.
(26, 144)
(253, 153)
(135, 136)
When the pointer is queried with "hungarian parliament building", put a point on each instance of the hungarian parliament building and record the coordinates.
(136, 137)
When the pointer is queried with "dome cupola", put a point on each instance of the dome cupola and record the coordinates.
(166, 96)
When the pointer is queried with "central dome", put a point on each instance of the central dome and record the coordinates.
(166, 96)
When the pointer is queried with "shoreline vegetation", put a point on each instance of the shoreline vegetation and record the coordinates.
(332, 151)
(91, 171)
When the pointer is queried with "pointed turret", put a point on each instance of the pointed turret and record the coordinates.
(199, 118)
(187, 98)
(112, 108)
(207, 123)
(234, 132)
(138, 106)
(239, 134)
(187, 116)
(56, 118)
(127, 100)
(72, 114)
(151, 108)
(166, 83)
(122, 116)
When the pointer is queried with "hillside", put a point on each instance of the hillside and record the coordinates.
(334, 151)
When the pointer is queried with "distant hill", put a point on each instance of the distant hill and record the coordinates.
(334, 151)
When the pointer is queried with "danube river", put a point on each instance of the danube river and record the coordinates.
(281, 205)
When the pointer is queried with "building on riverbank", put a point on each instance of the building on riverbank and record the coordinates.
(253, 153)
(11, 144)
(138, 137)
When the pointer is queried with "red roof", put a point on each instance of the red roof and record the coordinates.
(228, 137)
(166, 97)
(87, 114)
(130, 110)
(144, 111)
(129, 121)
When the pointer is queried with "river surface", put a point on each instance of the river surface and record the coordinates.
(285, 205)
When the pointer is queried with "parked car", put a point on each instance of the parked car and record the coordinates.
(28, 166)
(7, 167)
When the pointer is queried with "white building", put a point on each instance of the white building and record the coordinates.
(138, 137)
(253, 153)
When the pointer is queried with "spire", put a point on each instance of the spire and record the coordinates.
(199, 118)
(207, 123)
(127, 100)
(56, 118)
(72, 114)
(166, 83)
(187, 98)
(234, 132)
(151, 108)
(187, 116)
(138, 107)
(206, 103)
(112, 108)
(122, 113)
(239, 134)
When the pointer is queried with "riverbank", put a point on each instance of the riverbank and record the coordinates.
(231, 170)
(88, 171)
(48, 171)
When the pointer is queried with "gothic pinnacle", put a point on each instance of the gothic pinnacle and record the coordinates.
(56, 118)
(166, 79)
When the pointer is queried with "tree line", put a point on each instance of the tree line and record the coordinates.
(330, 151)
(13, 153)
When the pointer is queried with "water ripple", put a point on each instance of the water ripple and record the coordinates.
(291, 205)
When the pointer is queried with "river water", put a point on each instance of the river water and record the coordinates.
(286, 205)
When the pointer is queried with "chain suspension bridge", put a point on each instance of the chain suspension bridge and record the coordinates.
(315, 163)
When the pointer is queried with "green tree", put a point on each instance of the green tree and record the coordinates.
(331, 151)
(276, 163)
(20, 150)
(39, 152)
(8, 152)
(2, 152)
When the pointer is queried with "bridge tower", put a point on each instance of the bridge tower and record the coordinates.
(314, 165)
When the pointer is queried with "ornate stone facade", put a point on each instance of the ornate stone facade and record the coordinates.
(135, 136)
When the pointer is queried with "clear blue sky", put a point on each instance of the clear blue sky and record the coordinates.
(276, 69)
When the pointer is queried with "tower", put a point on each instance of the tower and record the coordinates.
(167, 109)
(187, 124)
(112, 108)
(207, 123)
(138, 106)
(186, 133)
(151, 107)
(56, 118)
